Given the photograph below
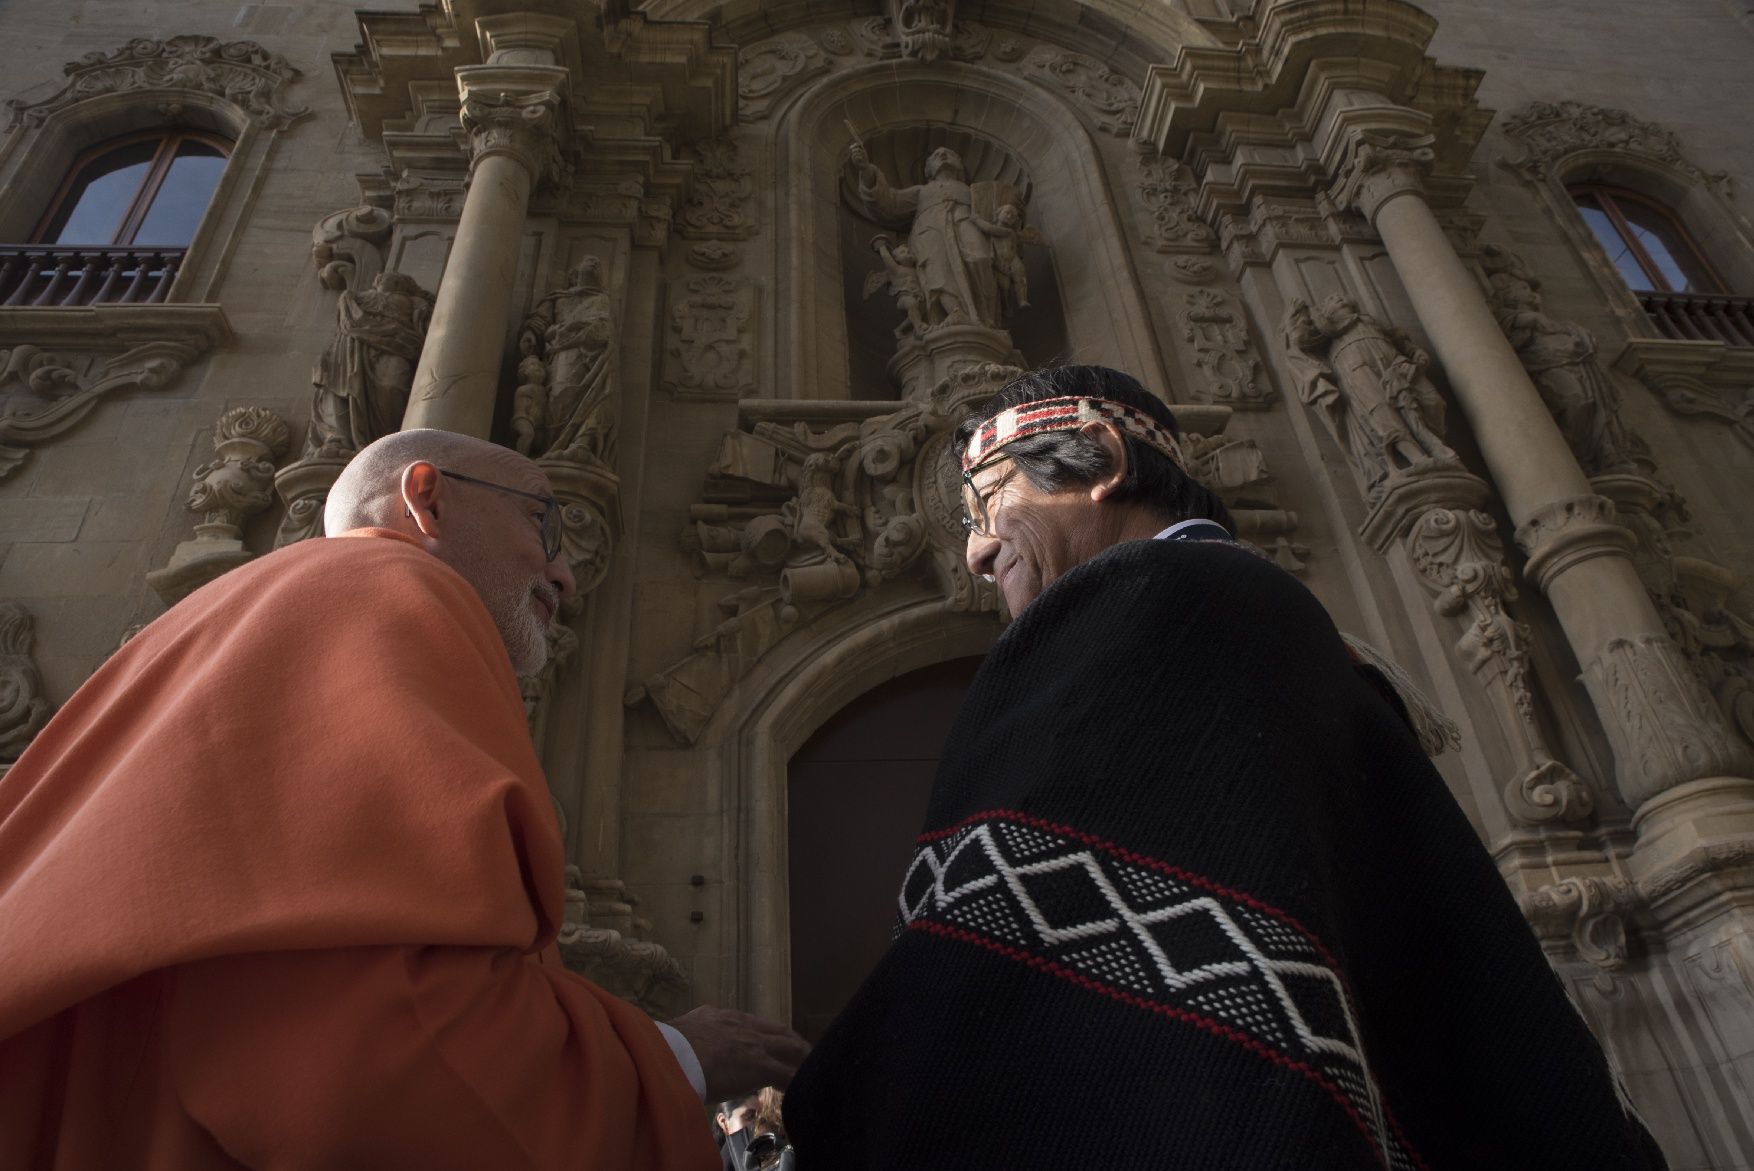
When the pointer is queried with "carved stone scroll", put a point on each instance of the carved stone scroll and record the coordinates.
(347, 246)
(709, 345)
(24, 708)
(922, 27)
(242, 73)
(1111, 99)
(1551, 131)
(420, 197)
(523, 126)
(1588, 916)
(237, 484)
(768, 71)
(44, 395)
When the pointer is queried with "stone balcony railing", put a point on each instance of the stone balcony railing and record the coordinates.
(41, 276)
(1701, 317)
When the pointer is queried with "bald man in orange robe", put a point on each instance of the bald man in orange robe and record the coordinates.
(279, 886)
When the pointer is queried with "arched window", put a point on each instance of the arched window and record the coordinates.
(1679, 289)
(119, 226)
(1648, 245)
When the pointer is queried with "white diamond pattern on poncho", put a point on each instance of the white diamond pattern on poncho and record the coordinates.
(1189, 946)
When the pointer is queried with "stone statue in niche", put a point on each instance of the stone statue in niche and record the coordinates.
(952, 253)
(1006, 231)
(1369, 383)
(565, 405)
(363, 379)
(1560, 357)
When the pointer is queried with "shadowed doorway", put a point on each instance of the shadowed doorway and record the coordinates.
(856, 797)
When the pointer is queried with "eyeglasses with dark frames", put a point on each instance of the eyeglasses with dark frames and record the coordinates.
(550, 510)
(979, 524)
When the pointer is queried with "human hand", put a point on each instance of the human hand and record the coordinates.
(739, 1052)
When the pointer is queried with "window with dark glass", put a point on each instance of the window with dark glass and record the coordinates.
(1649, 248)
(146, 191)
(120, 225)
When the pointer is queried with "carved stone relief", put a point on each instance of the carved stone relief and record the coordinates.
(812, 515)
(361, 387)
(24, 709)
(922, 27)
(565, 404)
(1560, 357)
(1697, 380)
(720, 206)
(1172, 223)
(1460, 558)
(1587, 916)
(524, 126)
(1668, 729)
(238, 483)
(44, 395)
(347, 246)
(1368, 383)
(619, 960)
(1549, 131)
(420, 197)
(1215, 326)
(709, 346)
(768, 71)
(240, 72)
(1109, 97)
(714, 256)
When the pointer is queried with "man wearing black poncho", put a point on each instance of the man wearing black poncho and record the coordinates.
(1189, 893)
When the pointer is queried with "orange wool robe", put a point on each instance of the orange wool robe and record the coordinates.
(279, 888)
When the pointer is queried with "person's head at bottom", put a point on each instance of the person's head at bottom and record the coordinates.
(484, 510)
(1063, 463)
(737, 1114)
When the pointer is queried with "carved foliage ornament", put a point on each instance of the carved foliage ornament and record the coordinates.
(768, 71)
(1214, 325)
(347, 246)
(1172, 222)
(1550, 131)
(1380, 166)
(23, 708)
(1590, 913)
(1111, 98)
(240, 72)
(719, 206)
(1667, 730)
(522, 126)
(43, 394)
(709, 346)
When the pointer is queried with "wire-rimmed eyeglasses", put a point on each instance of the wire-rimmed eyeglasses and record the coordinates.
(977, 521)
(550, 510)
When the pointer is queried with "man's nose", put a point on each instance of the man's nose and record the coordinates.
(980, 553)
(560, 576)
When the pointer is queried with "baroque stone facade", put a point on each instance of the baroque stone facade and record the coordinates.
(736, 306)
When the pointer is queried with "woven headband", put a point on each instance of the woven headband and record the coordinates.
(1069, 414)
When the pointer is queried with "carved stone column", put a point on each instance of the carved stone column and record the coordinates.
(1666, 733)
(512, 116)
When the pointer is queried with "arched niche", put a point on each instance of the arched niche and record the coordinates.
(1039, 331)
(1105, 317)
(780, 707)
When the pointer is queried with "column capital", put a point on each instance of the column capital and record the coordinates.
(1565, 533)
(514, 111)
(1379, 166)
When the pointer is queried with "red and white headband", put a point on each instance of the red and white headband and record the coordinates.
(1069, 414)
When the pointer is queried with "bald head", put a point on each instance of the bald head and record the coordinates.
(368, 493)
(478, 507)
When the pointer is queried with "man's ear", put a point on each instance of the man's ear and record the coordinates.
(1109, 437)
(422, 485)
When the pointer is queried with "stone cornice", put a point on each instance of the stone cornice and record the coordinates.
(1265, 73)
(197, 327)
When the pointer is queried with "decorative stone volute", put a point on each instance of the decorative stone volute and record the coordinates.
(1378, 167)
(514, 112)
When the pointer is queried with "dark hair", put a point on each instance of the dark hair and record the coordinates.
(1058, 460)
